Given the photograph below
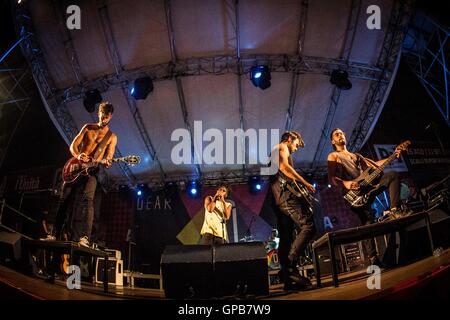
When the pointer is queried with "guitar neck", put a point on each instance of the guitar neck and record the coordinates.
(377, 171)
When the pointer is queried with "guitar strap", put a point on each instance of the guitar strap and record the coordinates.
(101, 146)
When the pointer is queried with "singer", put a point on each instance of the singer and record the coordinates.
(217, 212)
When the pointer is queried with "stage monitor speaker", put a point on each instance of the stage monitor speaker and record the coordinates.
(187, 271)
(10, 246)
(241, 268)
(197, 271)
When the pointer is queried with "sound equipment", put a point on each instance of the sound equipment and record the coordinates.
(10, 246)
(241, 269)
(197, 271)
(187, 271)
(115, 271)
(325, 260)
(114, 254)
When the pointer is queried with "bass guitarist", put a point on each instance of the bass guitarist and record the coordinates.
(292, 211)
(344, 167)
(94, 142)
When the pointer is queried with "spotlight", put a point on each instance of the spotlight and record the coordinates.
(255, 184)
(142, 190)
(141, 88)
(329, 186)
(340, 79)
(193, 189)
(91, 99)
(260, 76)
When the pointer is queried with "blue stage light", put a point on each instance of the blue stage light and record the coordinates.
(141, 88)
(255, 184)
(260, 76)
(193, 189)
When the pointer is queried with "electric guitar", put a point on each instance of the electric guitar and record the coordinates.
(368, 181)
(298, 190)
(75, 168)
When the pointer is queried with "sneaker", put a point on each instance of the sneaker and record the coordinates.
(84, 242)
(49, 237)
(397, 213)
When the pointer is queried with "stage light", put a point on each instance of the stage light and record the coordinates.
(141, 88)
(193, 189)
(329, 186)
(255, 184)
(340, 79)
(315, 185)
(142, 190)
(260, 77)
(91, 99)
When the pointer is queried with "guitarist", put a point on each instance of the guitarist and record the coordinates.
(292, 212)
(344, 167)
(94, 142)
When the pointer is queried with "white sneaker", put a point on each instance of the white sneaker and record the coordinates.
(84, 241)
(48, 238)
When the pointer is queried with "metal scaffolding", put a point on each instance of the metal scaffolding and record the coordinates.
(15, 100)
(427, 52)
(388, 62)
(336, 94)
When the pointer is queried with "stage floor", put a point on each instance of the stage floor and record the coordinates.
(353, 286)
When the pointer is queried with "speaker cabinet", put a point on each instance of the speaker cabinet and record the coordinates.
(197, 271)
(10, 246)
(187, 271)
(115, 271)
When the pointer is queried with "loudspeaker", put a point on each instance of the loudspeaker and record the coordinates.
(115, 271)
(197, 271)
(10, 246)
(324, 258)
(187, 271)
(241, 268)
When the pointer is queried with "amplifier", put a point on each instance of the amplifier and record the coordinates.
(115, 271)
(114, 253)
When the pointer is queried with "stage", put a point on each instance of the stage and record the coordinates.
(427, 279)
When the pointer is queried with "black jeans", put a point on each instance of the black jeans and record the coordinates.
(210, 239)
(292, 214)
(64, 219)
(389, 180)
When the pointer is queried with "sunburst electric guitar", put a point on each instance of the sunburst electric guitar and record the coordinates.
(75, 168)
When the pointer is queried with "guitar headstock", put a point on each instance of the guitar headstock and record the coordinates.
(132, 160)
(404, 145)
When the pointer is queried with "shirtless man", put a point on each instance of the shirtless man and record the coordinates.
(344, 167)
(291, 211)
(85, 147)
